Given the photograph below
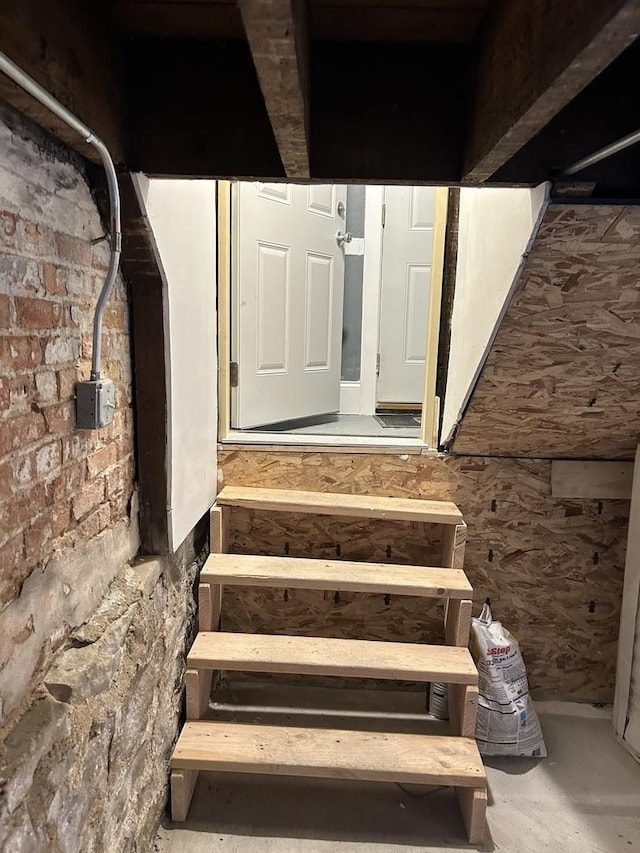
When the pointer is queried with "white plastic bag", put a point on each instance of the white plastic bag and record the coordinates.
(507, 723)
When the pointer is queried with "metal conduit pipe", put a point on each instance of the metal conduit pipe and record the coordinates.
(603, 153)
(40, 94)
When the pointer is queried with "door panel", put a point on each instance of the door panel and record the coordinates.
(404, 301)
(273, 308)
(318, 326)
(417, 305)
(288, 284)
(322, 199)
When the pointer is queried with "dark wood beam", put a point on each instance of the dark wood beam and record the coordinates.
(277, 31)
(72, 50)
(535, 57)
(600, 114)
(140, 267)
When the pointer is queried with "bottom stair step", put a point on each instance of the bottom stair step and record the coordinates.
(333, 754)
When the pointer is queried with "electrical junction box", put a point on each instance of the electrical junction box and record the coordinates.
(95, 403)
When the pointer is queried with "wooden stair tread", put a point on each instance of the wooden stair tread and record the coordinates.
(329, 753)
(296, 573)
(326, 503)
(329, 656)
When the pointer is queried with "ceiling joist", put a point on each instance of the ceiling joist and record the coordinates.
(535, 57)
(277, 32)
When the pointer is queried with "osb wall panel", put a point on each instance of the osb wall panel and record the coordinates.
(553, 568)
(562, 377)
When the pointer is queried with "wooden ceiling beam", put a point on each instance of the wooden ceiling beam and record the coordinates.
(277, 31)
(74, 53)
(534, 57)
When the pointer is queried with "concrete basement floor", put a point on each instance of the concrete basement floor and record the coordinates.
(584, 798)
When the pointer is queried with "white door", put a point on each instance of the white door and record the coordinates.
(404, 302)
(287, 302)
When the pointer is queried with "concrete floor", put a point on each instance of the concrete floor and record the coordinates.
(584, 798)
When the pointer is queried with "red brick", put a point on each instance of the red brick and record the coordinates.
(8, 224)
(74, 446)
(54, 279)
(13, 569)
(46, 386)
(91, 496)
(17, 393)
(48, 458)
(100, 256)
(6, 481)
(74, 250)
(23, 469)
(68, 482)
(36, 239)
(119, 478)
(43, 530)
(120, 505)
(94, 523)
(5, 313)
(101, 459)
(61, 418)
(5, 394)
(20, 431)
(20, 352)
(15, 512)
(37, 313)
(114, 316)
(67, 380)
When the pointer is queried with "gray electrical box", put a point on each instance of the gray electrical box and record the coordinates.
(95, 403)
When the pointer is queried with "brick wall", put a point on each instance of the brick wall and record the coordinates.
(59, 487)
(92, 639)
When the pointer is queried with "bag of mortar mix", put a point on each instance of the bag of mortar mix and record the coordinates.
(507, 723)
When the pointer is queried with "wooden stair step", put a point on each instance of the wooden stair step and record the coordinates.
(329, 656)
(329, 753)
(295, 573)
(327, 503)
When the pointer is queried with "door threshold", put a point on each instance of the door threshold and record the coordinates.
(345, 443)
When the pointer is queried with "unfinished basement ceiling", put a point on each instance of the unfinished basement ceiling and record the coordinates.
(427, 21)
(562, 378)
(382, 91)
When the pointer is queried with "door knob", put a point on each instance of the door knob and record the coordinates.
(343, 237)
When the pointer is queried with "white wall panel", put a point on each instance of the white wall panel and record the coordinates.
(183, 217)
(495, 227)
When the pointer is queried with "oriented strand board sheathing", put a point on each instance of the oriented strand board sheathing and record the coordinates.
(562, 377)
(553, 568)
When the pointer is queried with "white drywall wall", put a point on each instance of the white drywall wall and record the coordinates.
(182, 214)
(494, 230)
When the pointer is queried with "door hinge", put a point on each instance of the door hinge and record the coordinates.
(233, 374)
(384, 214)
(378, 365)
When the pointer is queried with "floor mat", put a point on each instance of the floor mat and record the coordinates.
(399, 420)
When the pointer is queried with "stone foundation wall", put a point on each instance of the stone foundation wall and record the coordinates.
(85, 769)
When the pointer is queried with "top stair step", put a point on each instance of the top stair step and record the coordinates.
(354, 506)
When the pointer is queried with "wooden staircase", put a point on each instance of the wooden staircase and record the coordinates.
(325, 753)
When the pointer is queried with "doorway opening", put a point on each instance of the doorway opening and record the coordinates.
(329, 310)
